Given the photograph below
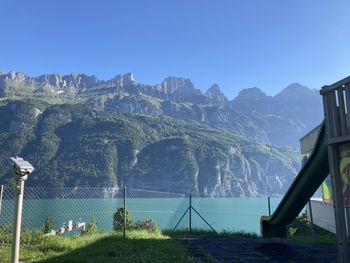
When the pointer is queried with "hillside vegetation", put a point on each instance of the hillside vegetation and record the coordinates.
(75, 145)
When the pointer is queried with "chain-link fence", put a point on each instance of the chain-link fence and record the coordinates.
(228, 214)
(68, 211)
(58, 211)
(320, 218)
(316, 223)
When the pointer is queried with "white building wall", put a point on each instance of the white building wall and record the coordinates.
(323, 215)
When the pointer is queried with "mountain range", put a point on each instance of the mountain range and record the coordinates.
(78, 130)
(280, 120)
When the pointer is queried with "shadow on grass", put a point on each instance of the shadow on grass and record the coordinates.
(208, 233)
(115, 249)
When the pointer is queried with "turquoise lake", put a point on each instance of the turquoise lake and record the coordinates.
(230, 214)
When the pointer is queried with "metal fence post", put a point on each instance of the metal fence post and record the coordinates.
(190, 215)
(1, 194)
(17, 220)
(124, 228)
(311, 220)
(269, 204)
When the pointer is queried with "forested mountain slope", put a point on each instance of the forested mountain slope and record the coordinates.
(75, 145)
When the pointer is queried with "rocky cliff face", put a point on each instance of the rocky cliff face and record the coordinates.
(173, 164)
(17, 83)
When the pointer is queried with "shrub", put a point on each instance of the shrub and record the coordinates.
(301, 227)
(148, 225)
(118, 219)
(91, 227)
(6, 233)
(48, 225)
(32, 237)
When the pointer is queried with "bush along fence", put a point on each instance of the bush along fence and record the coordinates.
(82, 211)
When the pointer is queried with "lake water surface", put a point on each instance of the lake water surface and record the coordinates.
(238, 214)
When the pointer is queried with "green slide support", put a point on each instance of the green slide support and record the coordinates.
(310, 177)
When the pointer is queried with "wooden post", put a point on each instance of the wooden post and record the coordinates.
(338, 203)
(336, 129)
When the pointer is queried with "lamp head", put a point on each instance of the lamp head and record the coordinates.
(21, 168)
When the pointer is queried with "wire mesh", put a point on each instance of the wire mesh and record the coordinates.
(163, 208)
(322, 214)
(146, 207)
(59, 206)
(232, 213)
(316, 223)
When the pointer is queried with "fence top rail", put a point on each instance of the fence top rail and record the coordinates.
(149, 191)
(70, 188)
(339, 84)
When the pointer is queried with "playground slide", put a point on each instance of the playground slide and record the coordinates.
(310, 177)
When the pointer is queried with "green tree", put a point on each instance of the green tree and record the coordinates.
(48, 225)
(118, 219)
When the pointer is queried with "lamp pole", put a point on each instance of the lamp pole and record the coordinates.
(19, 189)
(20, 169)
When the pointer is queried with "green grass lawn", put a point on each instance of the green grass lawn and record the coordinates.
(140, 246)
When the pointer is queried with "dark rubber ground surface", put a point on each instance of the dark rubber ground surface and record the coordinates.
(217, 249)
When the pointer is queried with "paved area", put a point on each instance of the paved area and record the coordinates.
(217, 249)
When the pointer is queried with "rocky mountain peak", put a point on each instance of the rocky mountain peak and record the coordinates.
(173, 83)
(50, 79)
(123, 80)
(81, 81)
(295, 90)
(75, 82)
(251, 93)
(16, 76)
(181, 90)
(214, 89)
(215, 95)
(128, 78)
(178, 85)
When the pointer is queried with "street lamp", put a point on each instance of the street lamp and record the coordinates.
(20, 169)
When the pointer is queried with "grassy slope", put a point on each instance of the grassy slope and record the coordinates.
(138, 247)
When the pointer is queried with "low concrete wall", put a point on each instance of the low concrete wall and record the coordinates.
(323, 215)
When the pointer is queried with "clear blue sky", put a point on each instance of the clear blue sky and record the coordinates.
(234, 43)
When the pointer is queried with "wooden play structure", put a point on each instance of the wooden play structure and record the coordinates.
(330, 156)
(336, 104)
